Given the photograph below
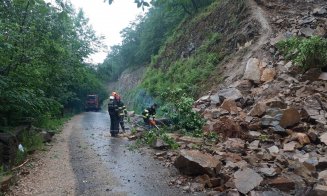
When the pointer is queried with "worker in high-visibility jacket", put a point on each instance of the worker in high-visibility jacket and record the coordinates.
(149, 115)
(122, 112)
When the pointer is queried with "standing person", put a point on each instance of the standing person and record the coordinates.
(148, 113)
(114, 116)
(122, 112)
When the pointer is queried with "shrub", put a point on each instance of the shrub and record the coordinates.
(305, 52)
(181, 112)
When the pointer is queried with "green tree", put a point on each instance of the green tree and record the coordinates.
(43, 48)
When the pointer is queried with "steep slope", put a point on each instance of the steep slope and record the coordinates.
(271, 115)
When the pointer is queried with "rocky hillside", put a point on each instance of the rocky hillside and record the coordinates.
(270, 115)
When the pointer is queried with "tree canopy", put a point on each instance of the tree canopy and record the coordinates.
(43, 48)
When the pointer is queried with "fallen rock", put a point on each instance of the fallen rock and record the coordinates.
(273, 150)
(323, 175)
(196, 187)
(159, 144)
(282, 183)
(230, 93)
(234, 145)
(215, 99)
(290, 117)
(322, 163)
(291, 146)
(194, 162)
(230, 106)
(252, 70)
(319, 11)
(319, 190)
(258, 110)
(246, 180)
(264, 193)
(323, 76)
(323, 138)
(227, 127)
(268, 75)
(254, 145)
(302, 138)
(189, 139)
(268, 171)
(307, 31)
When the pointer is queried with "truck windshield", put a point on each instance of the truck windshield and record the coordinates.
(91, 97)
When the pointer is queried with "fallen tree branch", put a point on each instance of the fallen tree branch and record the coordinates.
(21, 165)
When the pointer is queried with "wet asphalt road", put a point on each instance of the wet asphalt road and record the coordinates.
(104, 165)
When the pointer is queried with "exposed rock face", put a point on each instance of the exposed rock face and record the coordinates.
(193, 162)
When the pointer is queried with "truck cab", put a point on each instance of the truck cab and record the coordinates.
(92, 103)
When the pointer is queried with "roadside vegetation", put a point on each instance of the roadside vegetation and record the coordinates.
(44, 77)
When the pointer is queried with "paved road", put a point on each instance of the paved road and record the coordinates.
(104, 166)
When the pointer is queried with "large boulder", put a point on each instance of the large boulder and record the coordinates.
(229, 93)
(194, 162)
(252, 70)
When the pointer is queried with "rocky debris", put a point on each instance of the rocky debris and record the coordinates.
(194, 162)
(273, 119)
(159, 144)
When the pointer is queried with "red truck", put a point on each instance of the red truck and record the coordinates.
(92, 103)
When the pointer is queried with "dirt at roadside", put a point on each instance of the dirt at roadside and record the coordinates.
(48, 172)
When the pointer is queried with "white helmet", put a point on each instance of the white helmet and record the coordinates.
(111, 97)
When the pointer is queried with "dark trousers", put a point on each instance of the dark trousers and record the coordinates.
(114, 124)
(121, 122)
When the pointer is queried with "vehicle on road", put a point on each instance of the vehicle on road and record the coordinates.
(92, 103)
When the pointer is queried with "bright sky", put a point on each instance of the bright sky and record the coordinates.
(108, 20)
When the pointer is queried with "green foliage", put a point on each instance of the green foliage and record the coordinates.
(305, 52)
(181, 112)
(149, 137)
(42, 53)
(141, 40)
(20, 157)
(54, 124)
(211, 137)
(31, 141)
(183, 74)
(263, 137)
